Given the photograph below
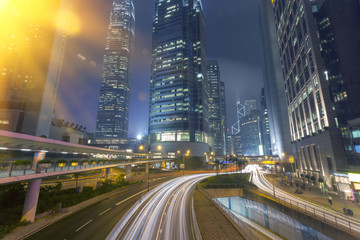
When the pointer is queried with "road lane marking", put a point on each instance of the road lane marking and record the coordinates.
(83, 225)
(104, 211)
(117, 204)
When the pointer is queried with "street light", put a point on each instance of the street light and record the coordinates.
(159, 147)
(141, 147)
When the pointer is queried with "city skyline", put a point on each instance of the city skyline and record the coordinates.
(237, 69)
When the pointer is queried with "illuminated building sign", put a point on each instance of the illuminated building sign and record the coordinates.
(356, 186)
(354, 177)
(4, 122)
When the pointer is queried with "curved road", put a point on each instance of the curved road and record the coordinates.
(164, 213)
(96, 221)
(325, 214)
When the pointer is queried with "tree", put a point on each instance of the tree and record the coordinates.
(217, 164)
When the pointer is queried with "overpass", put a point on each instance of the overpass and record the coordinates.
(260, 160)
(34, 173)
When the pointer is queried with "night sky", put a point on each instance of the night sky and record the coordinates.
(232, 39)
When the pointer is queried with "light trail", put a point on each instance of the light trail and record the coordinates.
(324, 214)
(163, 213)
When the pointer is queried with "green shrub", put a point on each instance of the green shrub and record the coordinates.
(45, 161)
(61, 161)
(21, 162)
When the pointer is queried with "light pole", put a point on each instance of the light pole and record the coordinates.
(148, 173)
(187, 154)
(274, 185)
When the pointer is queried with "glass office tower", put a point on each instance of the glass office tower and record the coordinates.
(217, 126)
(178, 120)
(113, 112)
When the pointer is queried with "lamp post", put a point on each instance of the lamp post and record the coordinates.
(187, 154)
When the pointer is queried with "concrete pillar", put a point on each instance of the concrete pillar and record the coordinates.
(107, 173)
(147, 168)
(31, 200)
(128, 171)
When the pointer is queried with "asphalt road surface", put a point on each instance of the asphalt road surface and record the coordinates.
(164, 213)
(96, 221)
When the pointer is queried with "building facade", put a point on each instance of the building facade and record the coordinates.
(274, 84)
(249, 106)
(338, 25)
(178, 118)
(30, 64)
(319, 51)
(217, 111)
(251, 138)
(113, 111)
(265, 124)
(68, 132)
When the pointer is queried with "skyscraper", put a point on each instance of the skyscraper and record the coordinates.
(251, 139)
(319, 52)
(31, 56)
(274, 84)
(265, 124)
(113, 112)
(249, 106)
(217, 126)
(178, 88)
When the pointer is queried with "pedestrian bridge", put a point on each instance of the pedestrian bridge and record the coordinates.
(97, 158)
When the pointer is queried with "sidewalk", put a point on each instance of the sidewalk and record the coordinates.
(314, 194)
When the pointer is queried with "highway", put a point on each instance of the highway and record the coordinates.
(166, 212)
(96, 221)
(322, 213)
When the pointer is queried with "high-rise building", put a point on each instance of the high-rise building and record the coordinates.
(338, 25)
(178, 88)
(217, 126)
(251, 139)
(31, 57)
(249, 106)
(265, 124)
(274, 84)
(223, 113)
(319, 50)
(113, 111)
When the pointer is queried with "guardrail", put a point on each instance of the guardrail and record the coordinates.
(245, 230)
(9, 169)
(339, 222)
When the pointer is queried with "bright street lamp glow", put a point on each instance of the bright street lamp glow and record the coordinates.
(139, 137)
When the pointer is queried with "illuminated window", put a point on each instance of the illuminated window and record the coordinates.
(356, 133)
(166, 137)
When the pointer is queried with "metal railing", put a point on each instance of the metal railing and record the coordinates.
(245, 229)
(9, 169)
(353, 227)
